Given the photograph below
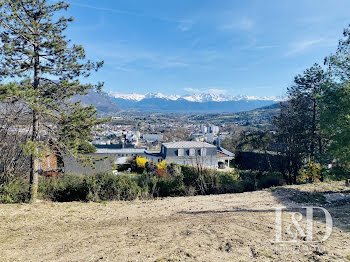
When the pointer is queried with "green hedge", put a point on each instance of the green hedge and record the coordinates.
(106, 187)
(111, 187)
(91, 188)
(14, 191)
(63, 189)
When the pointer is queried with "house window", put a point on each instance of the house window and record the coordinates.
(192, 152)
(180, 152)
(203, 152)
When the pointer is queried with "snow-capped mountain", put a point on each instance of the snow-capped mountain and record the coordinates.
(206, 98)
(200, 98)
(196, 103)
(157, 102)
(139, 97)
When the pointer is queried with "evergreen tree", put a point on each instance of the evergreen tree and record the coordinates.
(298, 124)
(307, 90)
(41, 68)
(292, 135)
(335, 122)
(335, 104)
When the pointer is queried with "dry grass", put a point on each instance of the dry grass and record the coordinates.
(234, 227)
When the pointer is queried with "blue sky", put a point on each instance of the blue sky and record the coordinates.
(251, 47)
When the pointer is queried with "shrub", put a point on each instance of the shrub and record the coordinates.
(310, 173)
(124, 167)
(270, 179)
(66, 188)
(229, 183)
(190, 175)
(337, 173)
(249, 179)
(162, 165)
(141, 162)
(14, 191)
(117, 188)
(150, 167)
(91, 188)
(174, 170)
(173, 186)
(160, 173)
(110, 187)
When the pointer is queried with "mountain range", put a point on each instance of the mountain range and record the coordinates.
(202, 97)
(197, 103)
(156, 102)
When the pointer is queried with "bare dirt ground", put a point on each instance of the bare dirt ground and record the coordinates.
(233, 227)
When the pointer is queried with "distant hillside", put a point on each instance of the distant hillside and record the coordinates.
(104, 103)
(260, 117)
(184, 106)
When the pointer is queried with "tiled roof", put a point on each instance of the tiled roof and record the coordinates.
(188, 144)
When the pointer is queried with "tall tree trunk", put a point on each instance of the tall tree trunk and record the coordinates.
(34, 159)
(313, 134)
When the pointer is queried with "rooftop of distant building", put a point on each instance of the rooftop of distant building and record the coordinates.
(188, 144)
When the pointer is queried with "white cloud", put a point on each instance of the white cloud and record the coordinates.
(127, 58)
(122, 12)
(303, 45)
(266, 46)
(243, 23)
(185, 25)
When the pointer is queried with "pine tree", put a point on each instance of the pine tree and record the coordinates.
(307, 89)
(291, 133)
(335, 105)
(298, 124)
(41, 69)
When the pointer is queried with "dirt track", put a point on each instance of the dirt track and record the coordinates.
(235, 227)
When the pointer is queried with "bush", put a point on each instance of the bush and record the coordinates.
(181, 181)
(103, 187)
(190, 176)
(173, 186)
(270, 179)
(150, 167)
(107, 187)
(66, 188)
(229, 183)
(162, 165)
(253, 180)
(141, 161)
(310, 173)
(174, 170)
(14, 191)
(337, 173)
(124, 167)
(249, 179)
(160, 173)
